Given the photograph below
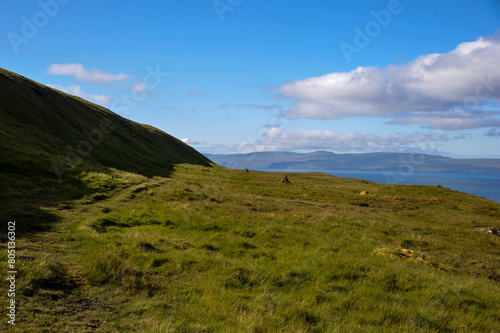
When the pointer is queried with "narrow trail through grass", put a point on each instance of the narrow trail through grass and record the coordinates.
(211, 249)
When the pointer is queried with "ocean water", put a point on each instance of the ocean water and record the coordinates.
(485, 185)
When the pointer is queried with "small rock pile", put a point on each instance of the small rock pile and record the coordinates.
(492, 231)
(285, 180)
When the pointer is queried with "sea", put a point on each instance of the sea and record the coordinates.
(484, 185)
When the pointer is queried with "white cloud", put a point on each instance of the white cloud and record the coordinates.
(467, 77)
(450, 120)
(275, 139)
(193, 142)
(76, 90)
(139, 87)
(79, 72)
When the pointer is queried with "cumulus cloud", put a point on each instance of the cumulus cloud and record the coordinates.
(450, 120)
(79, 72)
(466, 77)
(193, 142)
(76, 90)
(275, 139)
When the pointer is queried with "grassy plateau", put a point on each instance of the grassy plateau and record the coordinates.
(210, 249)
(144, 234)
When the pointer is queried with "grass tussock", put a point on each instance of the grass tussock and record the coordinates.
(219, 250)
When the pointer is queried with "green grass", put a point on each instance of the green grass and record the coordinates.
(210, 249)
(145, 235)
(48, 136)
(47, 133)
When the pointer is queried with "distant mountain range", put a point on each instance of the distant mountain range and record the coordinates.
(323, 160)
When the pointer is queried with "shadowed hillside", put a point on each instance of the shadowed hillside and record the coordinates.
(49, 137)
(142, 234)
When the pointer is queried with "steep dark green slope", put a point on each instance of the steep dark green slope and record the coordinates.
(48, 138)
(39, 123)
(211, 249)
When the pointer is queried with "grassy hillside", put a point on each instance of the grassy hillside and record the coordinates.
(40, 123)
(156, 239)
(219, 250)
(48, 136)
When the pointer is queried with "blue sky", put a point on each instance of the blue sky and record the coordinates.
(236, 76)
